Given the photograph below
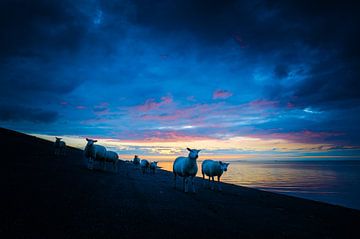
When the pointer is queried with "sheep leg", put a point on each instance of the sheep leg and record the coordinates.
(174, 180)
(209, 183)
(212, 185)
(91, 163)
(204, 182)
(219, 184)
(193, 185)
(185, 188)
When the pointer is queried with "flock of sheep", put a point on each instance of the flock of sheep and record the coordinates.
(185, 167)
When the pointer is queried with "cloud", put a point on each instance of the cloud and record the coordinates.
(20, 113)
(151, 104)
(281, 67)
(221, 94)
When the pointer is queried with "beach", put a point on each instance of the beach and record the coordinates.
(48, 196)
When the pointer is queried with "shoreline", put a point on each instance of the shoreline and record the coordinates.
(59, 197)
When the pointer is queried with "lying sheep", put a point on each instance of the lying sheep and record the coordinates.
(136, 160)
(186, 167)
(113, 158)
(153, 166)
(59, 147)
(144, 165)
(213, 168)
(94, 152)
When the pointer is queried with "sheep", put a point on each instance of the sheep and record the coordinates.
(153, 166)
(59, 147)
(213, 168)
(186, 167)
(136, 160)
(112, 157)
(144, 165)
(94, 152)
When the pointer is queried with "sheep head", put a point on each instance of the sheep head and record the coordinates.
(90, 141)
(224, 166)
(193, 153)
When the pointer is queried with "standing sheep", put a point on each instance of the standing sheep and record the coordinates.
(186, 167)
(59, 147)
(111, 157)
(144, 165)
(136, 160)
(213, 168)
(94, 152)
(153, 166)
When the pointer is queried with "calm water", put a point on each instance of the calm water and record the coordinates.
(334, 182)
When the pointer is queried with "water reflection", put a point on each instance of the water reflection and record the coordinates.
(329, 181)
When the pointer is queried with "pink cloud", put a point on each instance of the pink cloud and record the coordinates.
(240, 41)
(191, 98)
(160, 136)
(80, 107)
(151, 104)
(195, 113)
(221, 94)
(290, 105)
(263, 103)
(305, 136)
(101, 109)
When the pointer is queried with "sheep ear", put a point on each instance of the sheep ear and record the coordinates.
(199, 150)
(95, 141)
(188, 149)
(87, 139)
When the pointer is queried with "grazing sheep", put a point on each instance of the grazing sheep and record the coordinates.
(213, 168)
(113, 158)
(186, 167)
(136, 160)
(153, 166)
(59, 146)
(144, 165)
(94, 152)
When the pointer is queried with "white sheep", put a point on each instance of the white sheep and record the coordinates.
(213, 168)
(113, 158)
(136, 160)
(144, 165)
(186, 167)
(94, 152)
(59, 146)
(153, 166)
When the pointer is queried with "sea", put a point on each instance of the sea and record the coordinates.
(335, 182)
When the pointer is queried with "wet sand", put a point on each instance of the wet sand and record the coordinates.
(45, 196)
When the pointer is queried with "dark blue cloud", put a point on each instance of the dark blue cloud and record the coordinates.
(10, 113)
(87, 65)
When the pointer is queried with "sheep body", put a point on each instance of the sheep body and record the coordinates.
(213, 168)
(59, 146)
(112, 157)
(136, 160)
(144, 165)
(186, 167)
(153, 166)
(94, 152)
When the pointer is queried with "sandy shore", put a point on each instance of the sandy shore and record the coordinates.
(45, 196)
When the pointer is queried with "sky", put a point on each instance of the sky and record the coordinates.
(233, 78)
